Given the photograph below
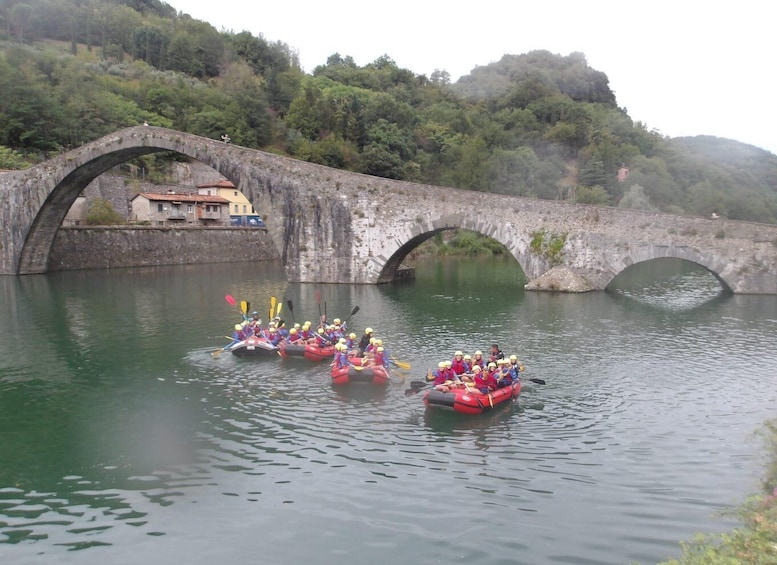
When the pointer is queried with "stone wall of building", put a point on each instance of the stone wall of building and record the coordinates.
(112, 247)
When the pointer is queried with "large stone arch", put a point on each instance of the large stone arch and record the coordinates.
(51, 191)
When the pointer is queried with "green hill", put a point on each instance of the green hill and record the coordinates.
(538, 124)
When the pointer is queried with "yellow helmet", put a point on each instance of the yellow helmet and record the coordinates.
(492, 365)
(513, 358)
(448, 364)
(238, 327)
(441, 365)
(378, 342)
(341, 340)
(352, 335)
(337, 321)
(467, 357)
(458, 353)
(380, 349)
(320, 330)
(478, 353)
(368, 331)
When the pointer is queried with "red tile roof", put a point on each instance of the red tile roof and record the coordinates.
(192, 198)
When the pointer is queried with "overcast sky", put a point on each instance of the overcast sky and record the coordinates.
(681, 67)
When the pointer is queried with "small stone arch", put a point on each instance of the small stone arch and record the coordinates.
(685, 255)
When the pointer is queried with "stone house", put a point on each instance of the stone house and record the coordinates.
(175, 209)
(241, 211)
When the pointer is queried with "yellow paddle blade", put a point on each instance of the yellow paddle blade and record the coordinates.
(401, 364)
(244, 306)
(278, 311)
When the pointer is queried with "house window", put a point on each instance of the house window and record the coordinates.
(245, 209)
(236, 193)
(159, 207)
(237, 208)
(189, 208)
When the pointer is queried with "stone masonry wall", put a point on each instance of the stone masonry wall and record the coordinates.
(111, 247)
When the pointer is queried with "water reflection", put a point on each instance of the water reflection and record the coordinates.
(121, 430)
(669, 284)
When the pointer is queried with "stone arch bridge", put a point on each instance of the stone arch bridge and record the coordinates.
(332, 226)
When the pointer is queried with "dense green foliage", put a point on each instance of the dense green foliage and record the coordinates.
(537, 125)
(101, 213)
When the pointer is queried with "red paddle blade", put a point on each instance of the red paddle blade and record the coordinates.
(229, 299)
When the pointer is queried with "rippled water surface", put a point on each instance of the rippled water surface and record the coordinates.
(125, 440)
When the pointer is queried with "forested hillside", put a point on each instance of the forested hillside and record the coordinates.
(537, 124)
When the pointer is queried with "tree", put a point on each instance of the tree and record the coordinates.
(635, 198)
(592, 195)
(101, 213)
(20, 17)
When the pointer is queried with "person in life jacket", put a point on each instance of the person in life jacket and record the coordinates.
(443, 378)
(505, 376)
(341, 357)
(457, 364)
(380, 359)
(237, 335)
(321, 339)
(477, 359)
(294, 336)
(467, 363)
(515, 365)
(274, 337)
(484, 382)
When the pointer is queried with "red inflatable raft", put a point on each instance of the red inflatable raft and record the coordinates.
(470, 401)
(354, 374)
(307, 350)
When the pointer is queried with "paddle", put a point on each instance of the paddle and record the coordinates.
(538, 381)
(244, 307)
(318, 300)
(355, 309)
(291, 309)
(418, 386)
(231, 300)
(223, 349)
(401, 364)
(272, 308)
(278, 309)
